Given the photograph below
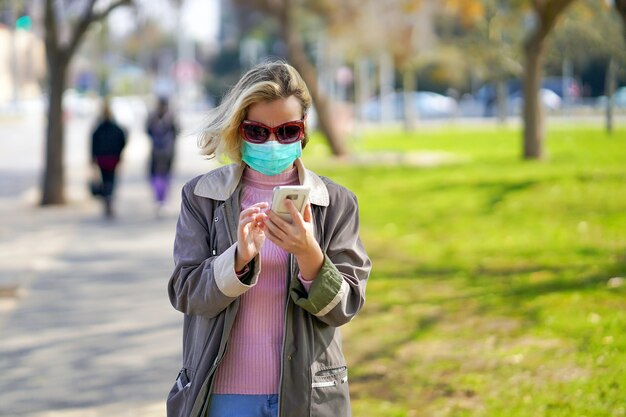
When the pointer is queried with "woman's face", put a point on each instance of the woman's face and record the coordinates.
(277, 112)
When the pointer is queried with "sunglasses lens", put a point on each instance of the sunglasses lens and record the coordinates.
(258, 133)
(289, 133)
(255, 134)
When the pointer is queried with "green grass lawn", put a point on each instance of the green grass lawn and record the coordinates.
(491, 290)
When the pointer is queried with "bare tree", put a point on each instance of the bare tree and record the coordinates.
(59, 55)
(285, 12)
(545, 14)
(582, 36)
(296, 54)
(412, 47)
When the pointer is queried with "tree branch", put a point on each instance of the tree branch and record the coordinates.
(620, 6)
(88, 18)
(548, 12)
(51, 28)
(270, 7)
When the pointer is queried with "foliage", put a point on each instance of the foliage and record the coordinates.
(225, 72)
(583, 33)
(491, 293)
(490, 32)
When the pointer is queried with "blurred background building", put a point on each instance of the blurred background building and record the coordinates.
(22, 56)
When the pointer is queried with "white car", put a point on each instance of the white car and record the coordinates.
(549, 100)
(426, 103)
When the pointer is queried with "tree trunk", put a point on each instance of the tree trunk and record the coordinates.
(299, 59)
(565, 86)
(546, 14)
(620, 6)
(501, 101)
(609, 90)
(386, 80)
(363, 90)
(15, 73)
(54, 177)
(533, 113)
(410, 110)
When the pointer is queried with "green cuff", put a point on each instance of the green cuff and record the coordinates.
(325, 293)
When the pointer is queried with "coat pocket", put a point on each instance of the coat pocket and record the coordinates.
(177, 397)
(329, 392)
(328, 377)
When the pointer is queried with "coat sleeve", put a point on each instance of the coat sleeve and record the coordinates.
(338, 292)
(203, 284)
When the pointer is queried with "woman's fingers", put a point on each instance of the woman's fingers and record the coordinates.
(278, 224)
(256, 218)
(295, 216)
(272, 236)
(251, 228)
(274, 230)
(255, 208)
(245, 222)
(297, 237)
(259, 220)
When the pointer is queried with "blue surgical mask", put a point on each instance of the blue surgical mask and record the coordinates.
(271, 157)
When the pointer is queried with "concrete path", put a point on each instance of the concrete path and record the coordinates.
(91, 332)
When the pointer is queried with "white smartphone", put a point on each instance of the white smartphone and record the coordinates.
(298, 194)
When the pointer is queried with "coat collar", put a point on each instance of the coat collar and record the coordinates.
(222, 182)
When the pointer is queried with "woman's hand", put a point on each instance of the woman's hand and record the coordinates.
(298, 238)
(250, 234)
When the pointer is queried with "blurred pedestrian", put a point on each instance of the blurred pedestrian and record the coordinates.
(162, 129)
(107, 142)
(263, 297)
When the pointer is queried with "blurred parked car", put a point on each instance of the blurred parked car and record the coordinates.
(561, 85)
(619, 97)
(558, 85)
(548, 99)
(426, 104)
(552, 89)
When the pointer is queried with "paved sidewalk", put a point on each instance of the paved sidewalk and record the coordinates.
(92, 332)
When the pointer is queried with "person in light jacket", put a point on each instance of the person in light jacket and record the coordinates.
(263, 298)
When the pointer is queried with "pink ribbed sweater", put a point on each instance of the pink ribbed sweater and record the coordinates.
(251, 364)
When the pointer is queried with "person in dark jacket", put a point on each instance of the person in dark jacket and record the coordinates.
(162, 129)
(107, 142)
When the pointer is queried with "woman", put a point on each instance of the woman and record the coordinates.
(162, 129)
(263, 298)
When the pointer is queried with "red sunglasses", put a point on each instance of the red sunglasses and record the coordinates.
(255, 132)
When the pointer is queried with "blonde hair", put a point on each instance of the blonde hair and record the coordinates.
(265, 82)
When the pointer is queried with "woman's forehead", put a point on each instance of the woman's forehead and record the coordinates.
(276, 112)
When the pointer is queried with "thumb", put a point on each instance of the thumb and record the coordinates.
(307, 216)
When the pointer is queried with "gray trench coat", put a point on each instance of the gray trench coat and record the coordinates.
(204, 286)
